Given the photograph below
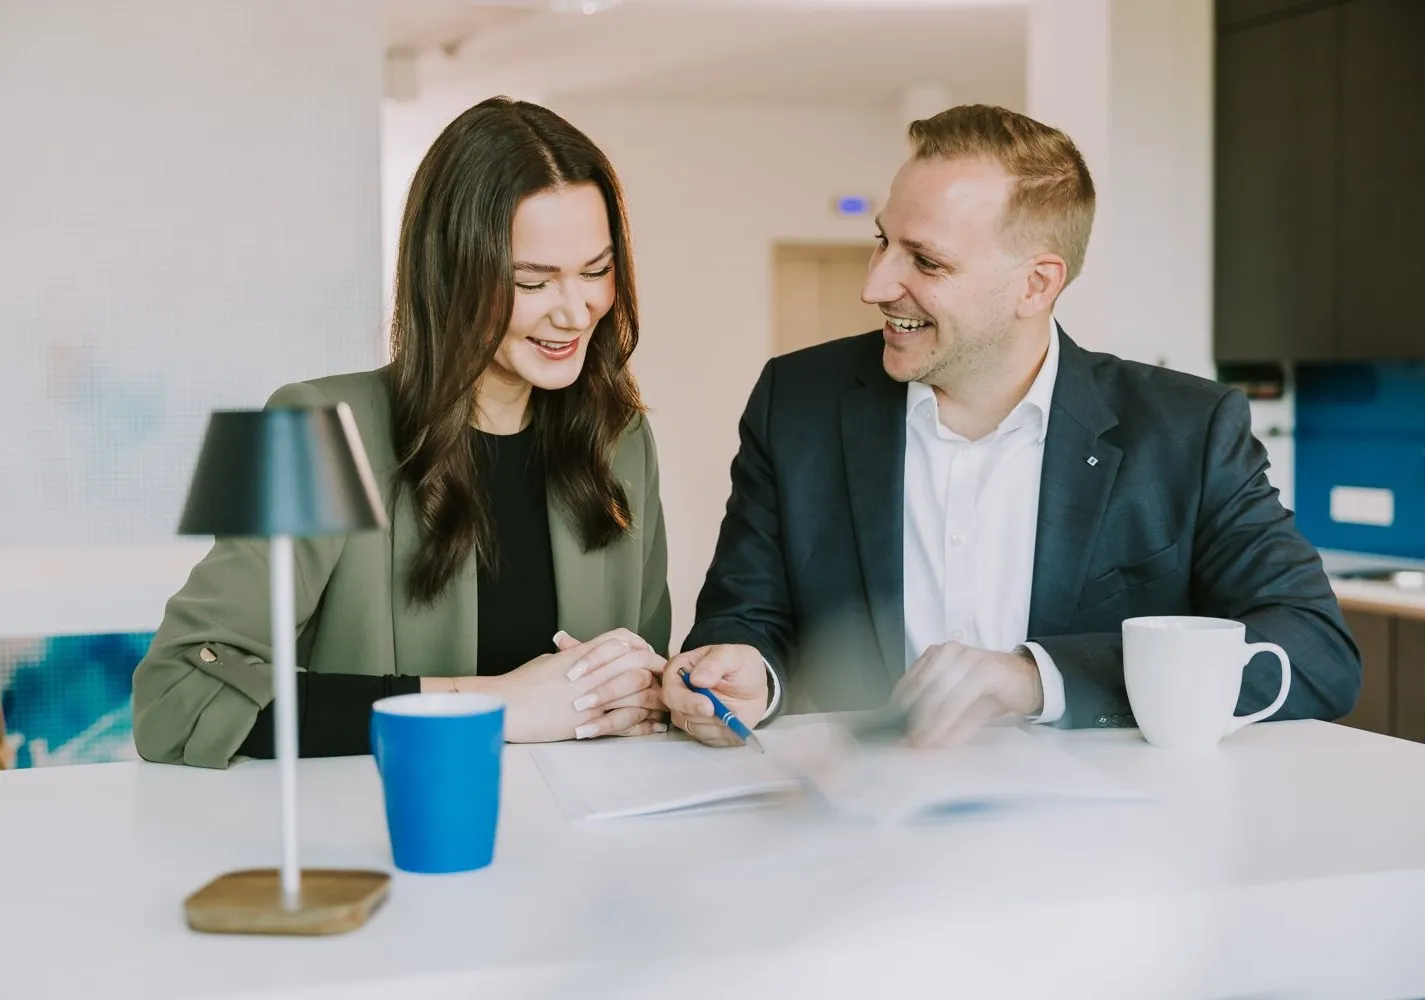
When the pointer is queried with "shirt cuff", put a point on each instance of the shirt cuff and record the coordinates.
(1052, 681)
(776, 687)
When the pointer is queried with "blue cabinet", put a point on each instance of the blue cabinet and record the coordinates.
(1362, 427)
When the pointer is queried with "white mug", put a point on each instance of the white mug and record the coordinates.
(1184, 675)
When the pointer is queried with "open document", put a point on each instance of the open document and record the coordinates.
(1002, 766)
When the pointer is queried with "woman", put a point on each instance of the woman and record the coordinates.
(518, 469)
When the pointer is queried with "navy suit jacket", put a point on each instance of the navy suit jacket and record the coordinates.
(1154, 500)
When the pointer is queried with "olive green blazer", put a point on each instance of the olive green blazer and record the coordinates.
(208, 672)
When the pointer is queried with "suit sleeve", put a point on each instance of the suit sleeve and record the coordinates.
(1250, 564)
(208, 672)
(655, 615)
(745, 600)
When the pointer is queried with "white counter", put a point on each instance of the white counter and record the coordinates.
(1373, 596)
(1290, 862)
(1379, 598)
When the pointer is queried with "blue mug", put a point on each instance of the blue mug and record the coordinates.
(439, 760)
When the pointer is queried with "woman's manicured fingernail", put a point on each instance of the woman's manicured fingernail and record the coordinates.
(584, 732)
(585, 702)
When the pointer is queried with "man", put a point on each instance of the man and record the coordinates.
(959, 511)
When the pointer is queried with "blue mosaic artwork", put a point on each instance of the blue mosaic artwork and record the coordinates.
(68, 699)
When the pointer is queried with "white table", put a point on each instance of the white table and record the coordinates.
(1290, 862)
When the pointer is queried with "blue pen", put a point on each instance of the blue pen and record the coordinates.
(724, 714)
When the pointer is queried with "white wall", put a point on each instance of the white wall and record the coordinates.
(1067, 85)
(1132, 82)
(1159, 226)
(189, 217)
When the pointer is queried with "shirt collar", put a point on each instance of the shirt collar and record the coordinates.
(1035, 405)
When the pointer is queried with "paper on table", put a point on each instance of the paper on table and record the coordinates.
(637, 778)
(891, 784)
(1001, 767)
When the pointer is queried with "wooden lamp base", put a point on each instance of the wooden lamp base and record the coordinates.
(334, 901)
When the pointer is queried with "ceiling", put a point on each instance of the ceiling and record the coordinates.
(833, 52)
(419, 24)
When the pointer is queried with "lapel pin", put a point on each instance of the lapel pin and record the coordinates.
(1093, 460)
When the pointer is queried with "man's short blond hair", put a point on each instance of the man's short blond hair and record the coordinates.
(1052, 204)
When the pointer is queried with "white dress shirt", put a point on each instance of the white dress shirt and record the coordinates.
(971, 518)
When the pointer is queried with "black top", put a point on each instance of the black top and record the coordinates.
(517, 608)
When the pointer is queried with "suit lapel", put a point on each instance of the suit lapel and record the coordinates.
(1078, 474)
(873, 445)
(440, 639)
(581, 585)
(450, 629)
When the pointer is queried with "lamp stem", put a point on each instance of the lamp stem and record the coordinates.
(284, 677)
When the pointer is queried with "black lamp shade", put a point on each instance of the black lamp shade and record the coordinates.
(282, 472)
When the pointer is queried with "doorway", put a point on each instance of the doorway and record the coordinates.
(816, 294)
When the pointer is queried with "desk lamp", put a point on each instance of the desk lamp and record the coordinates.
(279, 474)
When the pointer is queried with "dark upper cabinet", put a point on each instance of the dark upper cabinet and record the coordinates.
(1275, 226)
(1234, 12)
(1382, 188)
(1320, 146)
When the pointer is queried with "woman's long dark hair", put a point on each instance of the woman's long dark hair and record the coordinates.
(454, 295)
